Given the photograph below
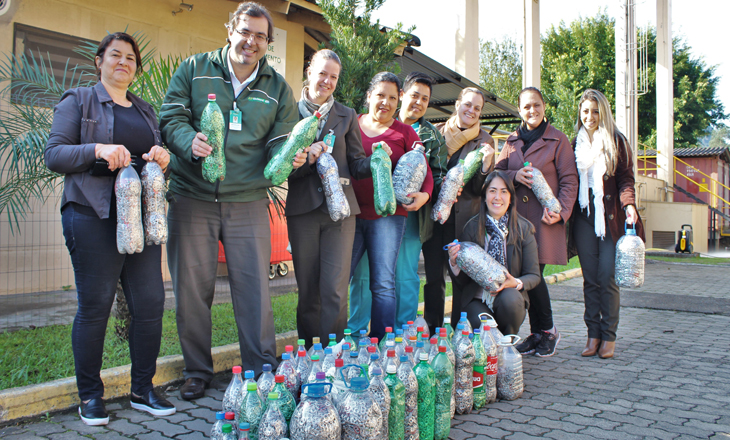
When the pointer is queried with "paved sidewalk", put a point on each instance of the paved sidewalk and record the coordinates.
(670, 377)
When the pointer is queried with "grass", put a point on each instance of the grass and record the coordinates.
(697, 260)
(44, 354)
(550, 269)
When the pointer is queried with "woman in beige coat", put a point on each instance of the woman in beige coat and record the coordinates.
(537, 144)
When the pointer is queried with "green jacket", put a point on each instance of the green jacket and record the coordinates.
(435, 146)
(269, 114)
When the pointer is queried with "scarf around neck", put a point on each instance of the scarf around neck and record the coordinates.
(530, 136)
(455, 137)
(590, 156)
(496, 246)
(307, 108)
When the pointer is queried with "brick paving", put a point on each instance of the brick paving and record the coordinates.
(670, 377)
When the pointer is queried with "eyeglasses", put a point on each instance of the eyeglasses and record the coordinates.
(259, 38)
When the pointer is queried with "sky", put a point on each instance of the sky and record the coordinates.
(698, 22)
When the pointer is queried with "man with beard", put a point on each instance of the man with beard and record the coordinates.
(259, 111)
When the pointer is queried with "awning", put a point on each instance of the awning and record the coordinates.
(448, 85)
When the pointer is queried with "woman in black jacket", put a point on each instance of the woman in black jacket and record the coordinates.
(510, 239)
(322, 248)
(105, 125)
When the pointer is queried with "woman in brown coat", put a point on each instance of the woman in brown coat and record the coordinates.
(540, 145)
(606, 201)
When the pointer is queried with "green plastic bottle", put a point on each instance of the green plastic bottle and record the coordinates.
(444, 373)
(252, 408)
(382, 169)
(287, 404)
(349, 339)
(480, 369)
(302, 136)
(397, 414)
(473, 161)
(426, 378)
(213, 127)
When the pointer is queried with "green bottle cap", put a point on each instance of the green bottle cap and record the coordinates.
(251, 386)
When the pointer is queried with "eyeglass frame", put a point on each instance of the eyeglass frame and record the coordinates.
(256, 37)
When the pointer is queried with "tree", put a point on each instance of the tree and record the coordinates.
(582, 55)
(363, 49)
(500, 67)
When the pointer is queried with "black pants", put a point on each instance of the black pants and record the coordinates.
(322, 253)
(435, 260)
(540, 310)
(598, 261)
(508, 311)
(98, 266)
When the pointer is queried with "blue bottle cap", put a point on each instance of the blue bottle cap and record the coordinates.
(220, 415)
(463, 314)
(317, 346)
(374, 356)
(359, 383)
(419, 344)
(363, 332)
(285, 356)
(267, 368)
(377, 371)
(404, 358)
(248, 374)
(333, 336)
(460, 326)
(244, 426)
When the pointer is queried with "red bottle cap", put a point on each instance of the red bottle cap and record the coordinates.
(442, 333)
(279, 378)
(301, 353)
(211, 95)
(317, 115)
(230, 415)
(374, 341)
(371, 349)
(419, 329)
(339, 363)
(388, 329)
(409, 349)
(424, 335)
(410, 323)
(391, 353)
(289, 348)
(434, 341)
(465, 332)
(442, 349)
(237, 370)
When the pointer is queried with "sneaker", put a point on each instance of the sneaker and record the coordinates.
(153, 404)
(529, 345)
(547, 345)
(93, 412)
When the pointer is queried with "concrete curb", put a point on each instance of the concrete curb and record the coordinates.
(61, 394)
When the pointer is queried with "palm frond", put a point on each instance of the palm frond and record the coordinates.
(277, 195)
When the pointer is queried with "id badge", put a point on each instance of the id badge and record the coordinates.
(234, 122)
(329, 140)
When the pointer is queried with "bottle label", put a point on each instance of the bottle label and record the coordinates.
(491, 365)
(478, 379)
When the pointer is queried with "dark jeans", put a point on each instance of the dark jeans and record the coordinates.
(98, 265)
(598, 261)
(508, 310)
(540, 310)
(381, 239)
(435, 260)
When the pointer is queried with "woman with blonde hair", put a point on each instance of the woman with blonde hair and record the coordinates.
(606, 201)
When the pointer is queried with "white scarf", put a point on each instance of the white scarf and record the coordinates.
(590, 156)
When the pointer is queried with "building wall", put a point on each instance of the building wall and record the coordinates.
(670, 216)
(33, 257)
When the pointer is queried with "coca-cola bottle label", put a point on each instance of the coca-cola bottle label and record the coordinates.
(491, 365)
(478, 379)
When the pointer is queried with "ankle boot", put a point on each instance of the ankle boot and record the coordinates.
(591, 347)
(606, 350)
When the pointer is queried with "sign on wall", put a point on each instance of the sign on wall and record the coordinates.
(276, 52)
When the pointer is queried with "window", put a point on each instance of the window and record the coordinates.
(36, 43)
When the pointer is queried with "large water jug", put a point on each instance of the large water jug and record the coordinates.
(510, 384)
(360, 415)
(630, 259)
(409, 174)
(315, 418)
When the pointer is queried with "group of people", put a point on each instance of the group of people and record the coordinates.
(98, 130)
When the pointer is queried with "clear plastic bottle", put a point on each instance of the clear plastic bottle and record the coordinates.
(391, 360)
(490, 375)
(417, 352)
(252, 407)
(333, 340)
(381, 395)
(389, 345)
(444, 342)
(444, 373)
(243, 430)
(339, 388)
(287, 404)
(510, 384)
(479, 370)
(346, 350)
(426, 378)
(316, 349)
(234, 391)
(465, 322)
(153, 200)
(288, 370)
(316, 368)
(328, 363)
(128, 192)
(374, 363)
(266, 380)
(629, 262)
(348, 339)
(248, 377)
(363, 355)
(421, 322)
(273, 424)
(409, 174)
(397, 414)
(227, 432)
(496, 334)
(364, 340)
(464, 374)
(315, 418)
(388, 333)
(220, 420)
(409, 355)
(300, 348)
(302, 367)
(448, 327)
(457, 335)
(408, 378)
(212, 125)
(349, 371)
(400, 346)
(360, 415)
(433, 349)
